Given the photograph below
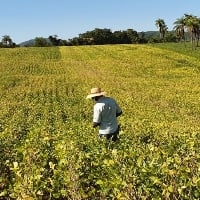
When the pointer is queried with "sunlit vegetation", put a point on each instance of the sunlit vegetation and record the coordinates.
(48, 148)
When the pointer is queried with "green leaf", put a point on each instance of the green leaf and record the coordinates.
(170, 189)
(99, 182)
(2, 194)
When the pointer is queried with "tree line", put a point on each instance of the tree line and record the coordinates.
(188, 24)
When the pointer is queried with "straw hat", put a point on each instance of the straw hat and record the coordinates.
(95, 92)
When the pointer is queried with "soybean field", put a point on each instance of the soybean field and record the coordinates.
(48, 148)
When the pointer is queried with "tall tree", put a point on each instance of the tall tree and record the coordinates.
(160, 23)
(41, 42)
(7, 41)
(132, 35)
(121, 37)
(192, 23)
(54, 40)
(180, 28)
(97, 36)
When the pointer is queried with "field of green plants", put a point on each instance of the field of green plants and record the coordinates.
(48, 148)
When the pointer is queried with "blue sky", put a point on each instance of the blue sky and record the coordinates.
(26, 19)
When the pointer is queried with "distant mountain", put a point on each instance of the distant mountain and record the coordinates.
(27, 43)
(151, 34)
(31, 42)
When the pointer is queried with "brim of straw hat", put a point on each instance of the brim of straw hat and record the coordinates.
(95, 95)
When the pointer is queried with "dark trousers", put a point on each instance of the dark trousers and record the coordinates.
(111, 136)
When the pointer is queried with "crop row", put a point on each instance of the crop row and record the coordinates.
(49, 149)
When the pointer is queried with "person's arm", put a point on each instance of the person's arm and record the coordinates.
(96, 116)
(95, 124)
(118, 110)
(118, 114)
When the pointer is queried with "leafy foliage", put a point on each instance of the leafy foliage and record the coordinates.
(49, 149)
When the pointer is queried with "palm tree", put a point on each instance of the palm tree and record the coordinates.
(160, 23)
(192, 23)
(180, 28)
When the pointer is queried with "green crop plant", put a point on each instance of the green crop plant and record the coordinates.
(48, 148)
